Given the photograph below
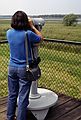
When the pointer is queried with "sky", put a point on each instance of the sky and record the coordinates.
(40, 7)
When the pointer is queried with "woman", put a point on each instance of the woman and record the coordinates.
(18, 86)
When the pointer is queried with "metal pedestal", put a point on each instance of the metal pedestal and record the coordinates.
(41, 100)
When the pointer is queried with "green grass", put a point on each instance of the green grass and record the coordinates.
(4, 26)
(52, 29)
(57, 30)
(61, 70)
(4, 57)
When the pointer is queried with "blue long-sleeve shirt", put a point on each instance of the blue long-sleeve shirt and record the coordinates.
(16, 40)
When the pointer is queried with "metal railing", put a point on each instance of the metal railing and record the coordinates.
(60, 65)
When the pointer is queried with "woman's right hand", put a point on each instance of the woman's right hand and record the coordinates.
(30, 22)
(33, 28)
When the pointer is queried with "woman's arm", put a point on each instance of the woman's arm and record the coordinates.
(34, 29)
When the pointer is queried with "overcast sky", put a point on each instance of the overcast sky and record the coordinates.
(39, 7)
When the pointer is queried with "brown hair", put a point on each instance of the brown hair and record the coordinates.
(19, 21)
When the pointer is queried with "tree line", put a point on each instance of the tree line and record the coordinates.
(43, 16)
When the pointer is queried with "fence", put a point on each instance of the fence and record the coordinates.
(60, 65)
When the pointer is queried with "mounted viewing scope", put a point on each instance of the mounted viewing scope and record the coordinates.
(38, 23)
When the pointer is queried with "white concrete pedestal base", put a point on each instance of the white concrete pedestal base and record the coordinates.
(40, 106)
(40, 114)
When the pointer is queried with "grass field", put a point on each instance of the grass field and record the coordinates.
(4, 26)
(57, 30)
(60, 63)
(61, 69)
(52, 29)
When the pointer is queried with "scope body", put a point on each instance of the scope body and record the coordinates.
(38, 23)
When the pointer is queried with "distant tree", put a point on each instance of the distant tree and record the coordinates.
(70, 20)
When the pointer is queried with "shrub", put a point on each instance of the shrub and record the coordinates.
(70, 20)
